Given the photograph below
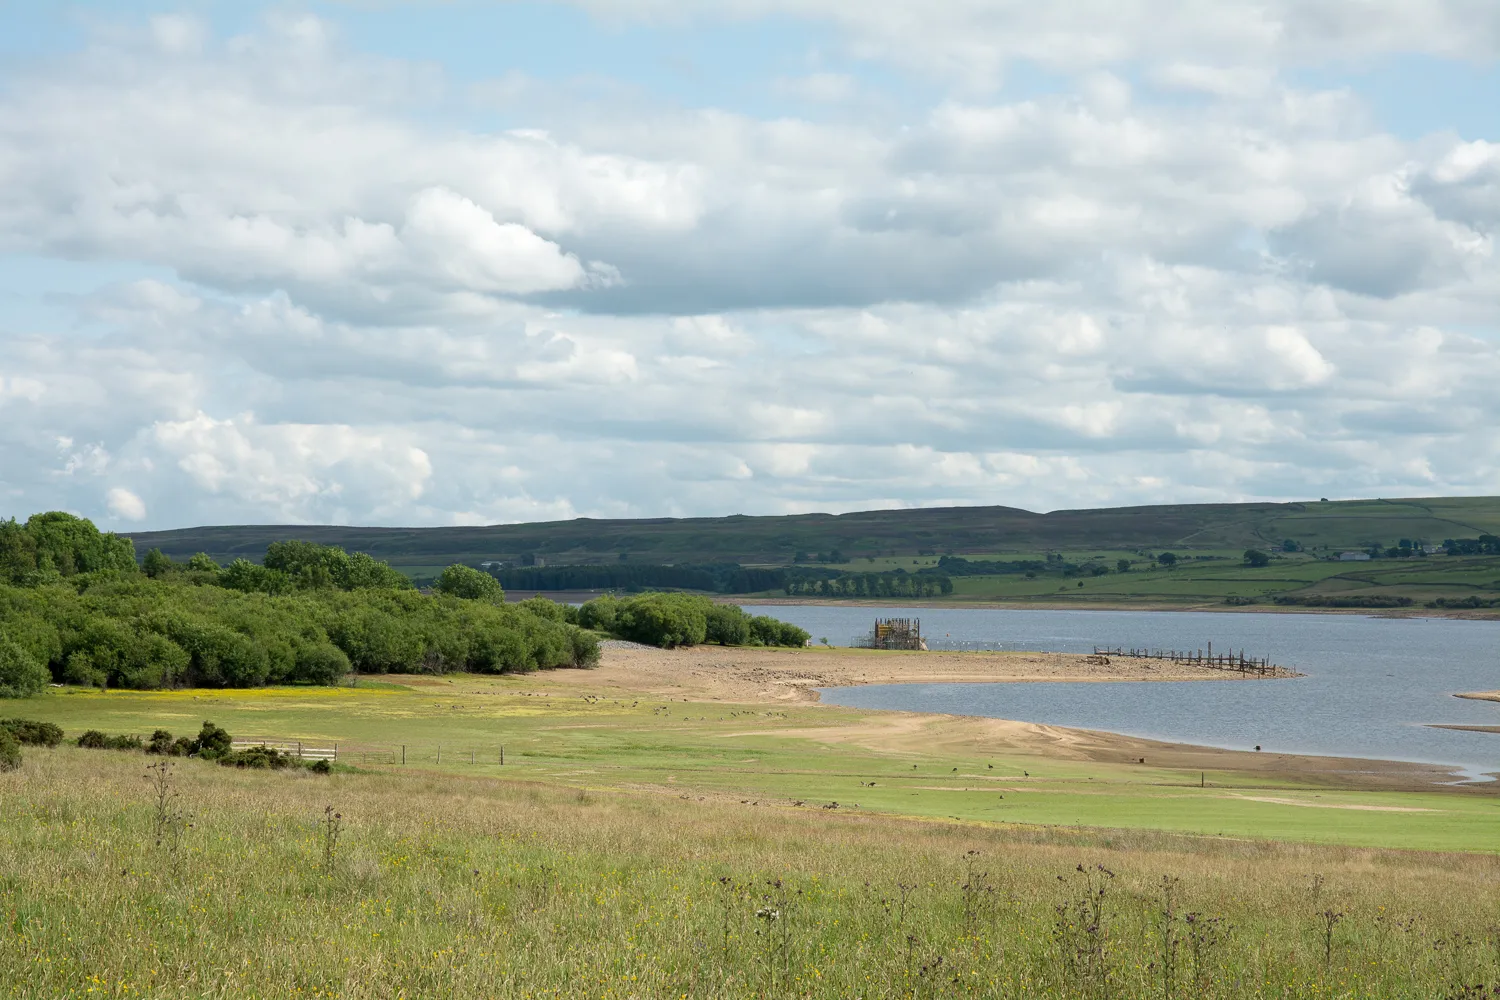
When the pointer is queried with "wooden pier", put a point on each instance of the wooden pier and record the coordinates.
(1232, 662)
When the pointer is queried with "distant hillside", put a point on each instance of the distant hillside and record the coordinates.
(960, 530)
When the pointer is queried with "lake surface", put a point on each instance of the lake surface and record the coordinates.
(1372, 688)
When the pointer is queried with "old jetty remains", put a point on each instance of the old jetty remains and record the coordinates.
(892, 633)
(1234, 662)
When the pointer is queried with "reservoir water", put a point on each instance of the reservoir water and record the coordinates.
(1373, 686)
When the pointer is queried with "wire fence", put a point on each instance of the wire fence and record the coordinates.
(379, 753)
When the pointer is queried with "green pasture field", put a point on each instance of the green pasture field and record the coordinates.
(217, 883)
(815, 755)
(1197, 582)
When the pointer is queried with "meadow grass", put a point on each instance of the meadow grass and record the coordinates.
(818, 755)
(446, 885)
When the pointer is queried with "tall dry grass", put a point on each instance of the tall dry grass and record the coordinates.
(445, 886)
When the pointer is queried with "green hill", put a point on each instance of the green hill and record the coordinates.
(885, 533)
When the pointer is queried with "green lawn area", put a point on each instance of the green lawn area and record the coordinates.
(776, 755)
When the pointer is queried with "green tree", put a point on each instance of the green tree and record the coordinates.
(470, 584)
(1167, 559)
(1122, 565)
(727, 625)
(157, 564)
(21, 676)
(1257, 558)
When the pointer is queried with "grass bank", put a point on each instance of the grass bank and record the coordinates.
(438, 884)
(731, 727)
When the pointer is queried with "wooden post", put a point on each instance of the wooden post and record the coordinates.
(502, 755)
(403, 753)
(440, 753)
(335, 751)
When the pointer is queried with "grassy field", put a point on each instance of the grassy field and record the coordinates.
(774, 756)
(438, 882)
(1196, 583)
(900, 535)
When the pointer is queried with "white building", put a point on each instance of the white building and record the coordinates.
(1354, 557)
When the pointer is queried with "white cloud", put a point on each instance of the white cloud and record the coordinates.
(364, 312)
(122, 503)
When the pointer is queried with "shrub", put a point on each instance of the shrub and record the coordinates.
(10, 751)
(161, 742)
(585, 648)
(470, 584)
(544, 608)
(323, 663)
(37, 734)
(21, 676)
(321, 767)
(213, 742)
(665, 620)
(95, 740)
(599, 613)
(258, 757)
(727, 625)
(768, 631)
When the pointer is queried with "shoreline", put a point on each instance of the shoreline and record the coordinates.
(1456, 614)
(791, 677)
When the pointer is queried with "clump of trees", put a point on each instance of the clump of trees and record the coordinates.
(671, 620)
(898, 583)
(74, 608)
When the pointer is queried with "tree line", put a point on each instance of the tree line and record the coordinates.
(75, 608)
(893, 584)
(717, 578)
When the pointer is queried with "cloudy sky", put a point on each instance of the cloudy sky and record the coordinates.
(470, 262)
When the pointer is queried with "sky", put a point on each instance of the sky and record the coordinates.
(477, 262)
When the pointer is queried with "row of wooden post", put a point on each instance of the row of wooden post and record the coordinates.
(472, 758)
(1238, 662)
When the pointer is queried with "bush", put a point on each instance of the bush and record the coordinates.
(323, 663)
(213, 742)
(768, 631)
(161, 742)
(258, 757)
(470, 584)
(544, 608)
(665, 620)
(599, 614)
(320, 767)
(585, 648)
(727, 625)
(21, 676)
(36, 734)
(95, 740)
(10, 751)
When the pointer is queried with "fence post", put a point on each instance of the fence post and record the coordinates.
(502, 755)
(440, 753)
(403, 753)
(335, 751)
